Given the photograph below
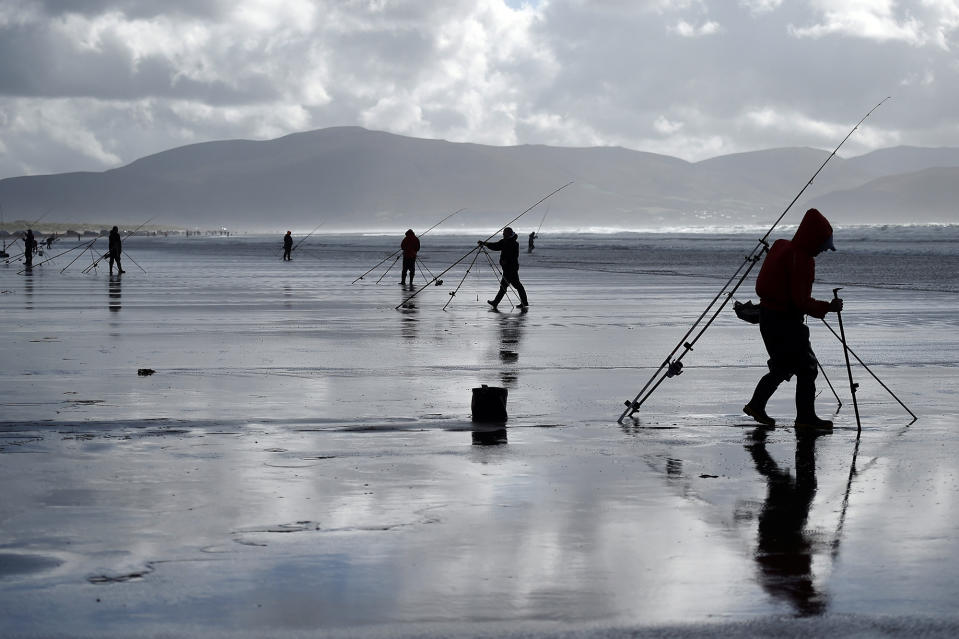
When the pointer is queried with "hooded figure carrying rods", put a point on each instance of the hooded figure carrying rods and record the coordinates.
(784, 286)
(509, 262)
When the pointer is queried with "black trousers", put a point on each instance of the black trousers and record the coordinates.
(510, 277)
(286, 253)
(409, 264)
(787, 341)
(115, 257)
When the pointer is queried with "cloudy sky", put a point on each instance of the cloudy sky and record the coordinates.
(94, 84)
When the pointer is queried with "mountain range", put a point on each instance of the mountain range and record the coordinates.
(351, 178)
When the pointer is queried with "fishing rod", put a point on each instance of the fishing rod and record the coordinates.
(128, 234)
(869, 370)
(674, 367)
(478, 246)
(24, 252)
(87, 247)
(297, 245)
(400, 249)
(543, 220)
(49, 259)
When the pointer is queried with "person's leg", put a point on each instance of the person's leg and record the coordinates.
(500, 293)
(807, 369)
(514, 280)
(775, 333)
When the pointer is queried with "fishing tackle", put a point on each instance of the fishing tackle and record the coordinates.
(398, 250)
(762, 246)
(478, 246)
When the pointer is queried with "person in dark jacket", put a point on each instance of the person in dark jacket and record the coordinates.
(509, 261)
(116, 247)
(410, 246)
(530, 247)
(288, 246)
(784, 286)
(29, 246)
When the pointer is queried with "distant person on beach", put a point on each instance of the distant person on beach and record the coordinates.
(532, 236)
(410, 246)
(288, 246)
(784, 286)
(509, 261)
(29, 246)
(116, 247)
(50, 239)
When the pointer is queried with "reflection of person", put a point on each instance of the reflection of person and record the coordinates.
(113, 292)
(784, 552)
(287, 246)
(116, 247)
(532, 236)
(509, 261)
(29, 246)
(410, 246)
(784, 286)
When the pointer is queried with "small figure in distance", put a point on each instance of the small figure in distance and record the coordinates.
(784, 286)
(116, 247)
(410, 246)
(509, 261)
(29, 246)
(50, 240)
(532, 236)
(288, 246)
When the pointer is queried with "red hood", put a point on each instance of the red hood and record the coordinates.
(812, 232)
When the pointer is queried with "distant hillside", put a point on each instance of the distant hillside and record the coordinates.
(358, 179)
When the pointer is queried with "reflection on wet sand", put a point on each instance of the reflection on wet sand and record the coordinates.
(510, 334)
(113, 291)
(409, 320)
(28, 290)
(784, 551)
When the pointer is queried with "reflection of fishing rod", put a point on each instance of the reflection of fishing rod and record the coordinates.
(673, 367)
(128, 234)
(480, 245)
(297, 245)
(400, 249)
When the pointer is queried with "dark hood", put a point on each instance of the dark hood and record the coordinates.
(812, 232)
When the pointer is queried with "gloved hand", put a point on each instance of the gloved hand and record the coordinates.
(481, 242)
(835, 305)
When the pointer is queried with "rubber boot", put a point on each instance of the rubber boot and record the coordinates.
(756, 408)
(806, 406)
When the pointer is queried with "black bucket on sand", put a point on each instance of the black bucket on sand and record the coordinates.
(489, 404)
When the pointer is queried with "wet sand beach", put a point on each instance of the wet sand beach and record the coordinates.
(302, 461)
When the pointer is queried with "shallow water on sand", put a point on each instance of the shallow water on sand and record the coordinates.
(303, 456)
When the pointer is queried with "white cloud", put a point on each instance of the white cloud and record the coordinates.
(919, 24)
(760, 6)
(688, 30)
(666, 127)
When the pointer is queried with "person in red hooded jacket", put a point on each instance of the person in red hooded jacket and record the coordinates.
(410, 246)
(784, 286)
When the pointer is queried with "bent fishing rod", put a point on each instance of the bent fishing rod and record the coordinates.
(394, 253)
(673, 367)
(479, 245)
(128, 234)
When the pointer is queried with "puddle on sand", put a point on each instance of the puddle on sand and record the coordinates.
(12, 564)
